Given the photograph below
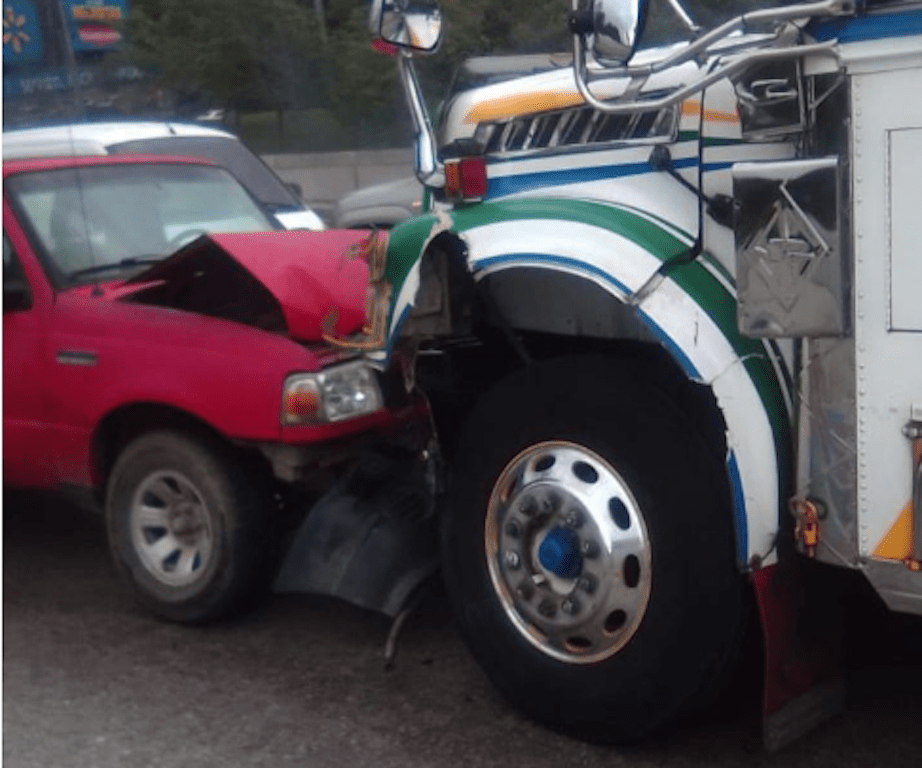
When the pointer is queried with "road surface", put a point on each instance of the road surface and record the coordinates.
(90, 680)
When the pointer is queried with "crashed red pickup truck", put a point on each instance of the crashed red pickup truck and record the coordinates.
(185, 392)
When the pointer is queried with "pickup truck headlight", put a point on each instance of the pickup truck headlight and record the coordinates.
(335, 394)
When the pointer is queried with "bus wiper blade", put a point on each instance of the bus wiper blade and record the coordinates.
(132, 261)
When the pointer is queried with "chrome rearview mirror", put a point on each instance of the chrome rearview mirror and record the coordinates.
(416, 26)
(616, 29)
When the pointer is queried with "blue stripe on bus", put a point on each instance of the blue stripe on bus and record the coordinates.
(509, 185)
(876, 27)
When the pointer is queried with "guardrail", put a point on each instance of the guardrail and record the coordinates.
(324, 177)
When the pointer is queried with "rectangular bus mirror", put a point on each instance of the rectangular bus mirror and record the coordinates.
(616, 29)
(415, 26)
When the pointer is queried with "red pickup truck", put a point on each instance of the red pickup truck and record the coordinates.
(184, 384)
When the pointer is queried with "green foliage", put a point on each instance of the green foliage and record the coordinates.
(305, 72)
(237, 54)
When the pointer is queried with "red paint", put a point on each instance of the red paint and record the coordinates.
(227, 374)
(308, 273)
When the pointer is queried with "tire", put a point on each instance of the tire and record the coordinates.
(588, 551)
(189, 527)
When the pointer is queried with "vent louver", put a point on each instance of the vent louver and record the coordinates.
(574, 127)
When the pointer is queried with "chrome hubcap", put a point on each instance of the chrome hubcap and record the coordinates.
(171, 528)
(568, 552)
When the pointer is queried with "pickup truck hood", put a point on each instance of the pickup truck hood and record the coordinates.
(283, 282)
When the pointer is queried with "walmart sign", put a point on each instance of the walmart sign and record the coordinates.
(22, 35)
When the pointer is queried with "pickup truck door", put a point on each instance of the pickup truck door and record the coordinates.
(26, 451)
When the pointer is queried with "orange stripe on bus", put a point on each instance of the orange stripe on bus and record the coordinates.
(692, 108)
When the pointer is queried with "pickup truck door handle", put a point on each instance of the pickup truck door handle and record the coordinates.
(75, 357)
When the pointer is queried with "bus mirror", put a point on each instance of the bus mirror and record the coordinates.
(416, 26)
(616, 29)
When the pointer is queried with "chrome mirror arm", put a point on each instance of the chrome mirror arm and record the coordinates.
(427, 166)
(699, 46)
(725, 69)
(683, 16)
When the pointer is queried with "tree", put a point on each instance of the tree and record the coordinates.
(239, 54)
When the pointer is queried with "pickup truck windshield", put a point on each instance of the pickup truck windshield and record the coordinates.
(125, 215)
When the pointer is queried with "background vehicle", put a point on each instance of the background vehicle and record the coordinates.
(191, 396)
(665, 304)
(136, 137)
(383, 205)
(380, 205)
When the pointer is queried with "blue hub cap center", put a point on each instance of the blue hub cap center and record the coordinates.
(559, 553)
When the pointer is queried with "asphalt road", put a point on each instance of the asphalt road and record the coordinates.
(90, 680)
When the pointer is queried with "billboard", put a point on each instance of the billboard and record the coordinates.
(95, 25)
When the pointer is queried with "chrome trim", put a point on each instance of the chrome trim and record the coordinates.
(574, 127)
(899, 587)
(428, 168)
(590, 613)
(791, 268)
(697, 49)
(719, 73)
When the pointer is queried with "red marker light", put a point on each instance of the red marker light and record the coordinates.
(466, 179)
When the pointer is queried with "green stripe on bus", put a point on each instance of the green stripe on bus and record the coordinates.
(694, 279)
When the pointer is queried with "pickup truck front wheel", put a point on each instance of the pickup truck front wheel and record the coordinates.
(188, 526)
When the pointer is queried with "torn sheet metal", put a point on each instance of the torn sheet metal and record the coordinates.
(284, 282)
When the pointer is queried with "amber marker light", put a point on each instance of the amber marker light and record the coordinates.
(301, 402)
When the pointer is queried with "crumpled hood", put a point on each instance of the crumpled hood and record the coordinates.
(284, 282)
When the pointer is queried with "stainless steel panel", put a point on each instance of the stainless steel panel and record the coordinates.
(827, 465)
(791, 271)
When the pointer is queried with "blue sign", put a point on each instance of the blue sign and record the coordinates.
(95, 25)
(22, 36)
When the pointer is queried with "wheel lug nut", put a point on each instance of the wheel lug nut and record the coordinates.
(524, 591)
(513, 529)
(549, 504)
(589, 548)
(513, 560)
(570, 605)
(528, 507)
(574, 518)
(587, 584)
(547, 609)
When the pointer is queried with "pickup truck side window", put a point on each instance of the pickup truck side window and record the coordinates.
(16, 293)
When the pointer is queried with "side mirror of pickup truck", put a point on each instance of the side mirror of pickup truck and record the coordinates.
(16, 296)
